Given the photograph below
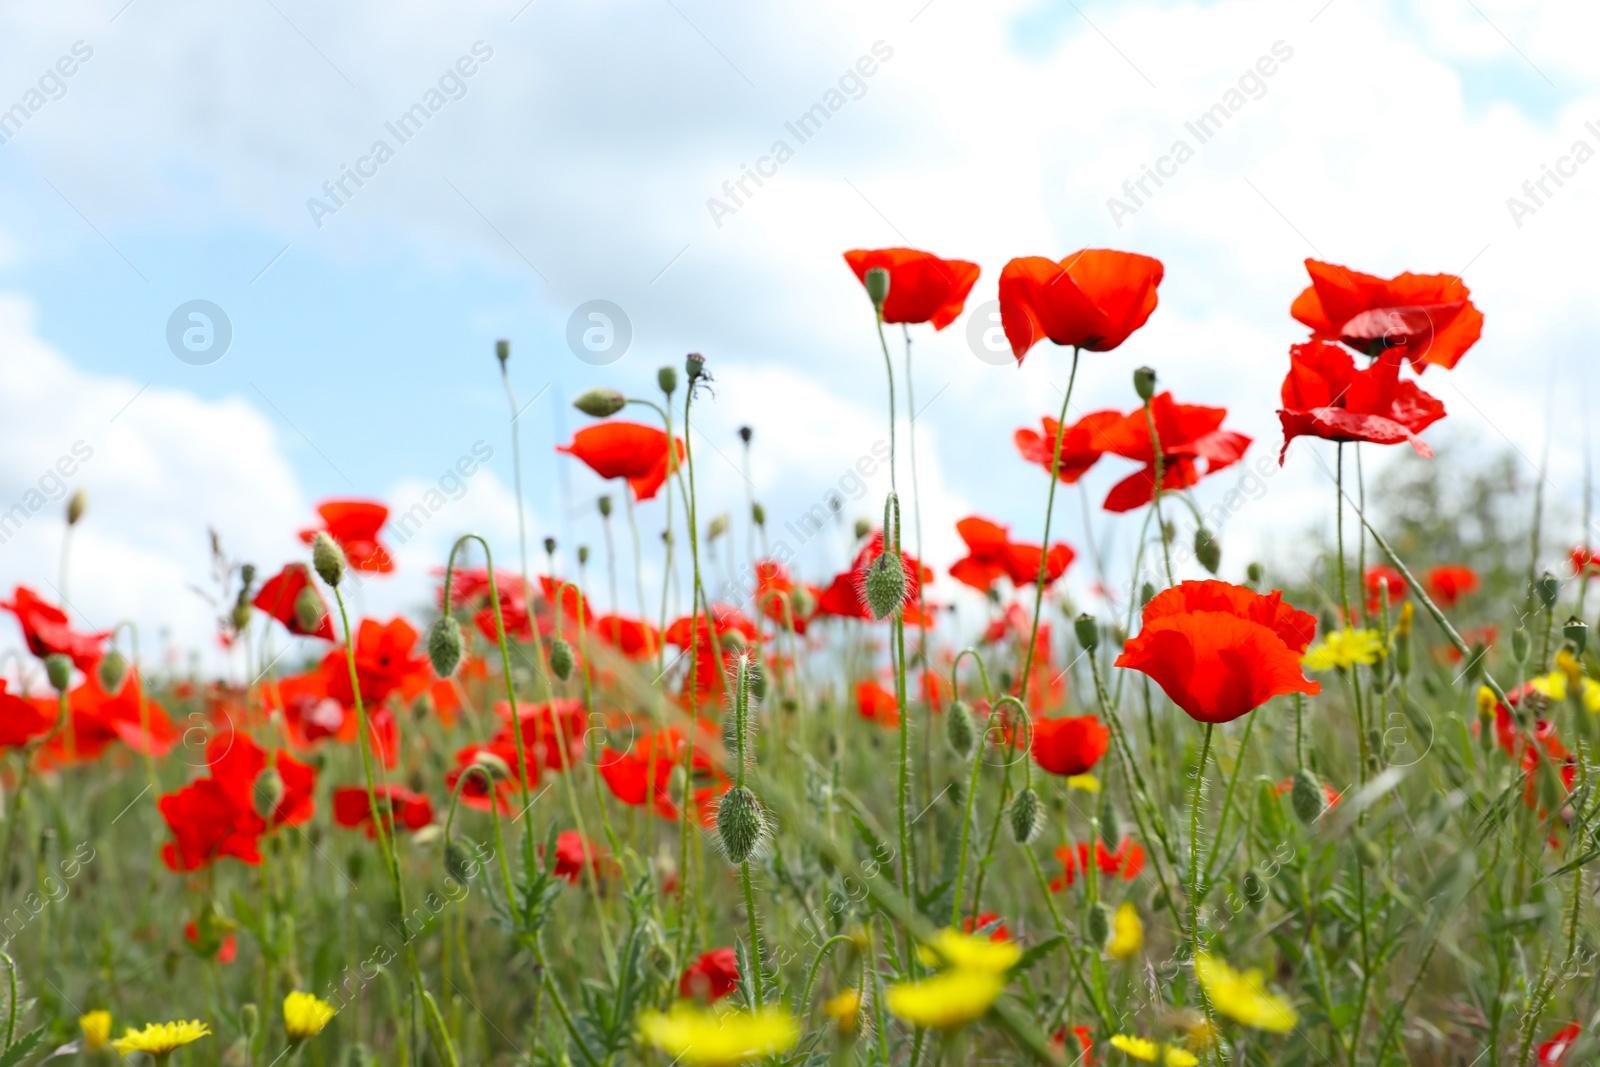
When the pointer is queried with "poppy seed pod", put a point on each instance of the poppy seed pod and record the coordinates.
(1548, 588)
(268, 792)
(1110, 824)
(457, 863)
(1097, 925)
(1144, 382)
(561, 658)
(604, 504)
(444, 646)
(1207, 549)
(502, 351)
(740, 823)
(1027, 814)
(58, 669)
(327, 558)
(1308, 797)
(667, 379)
(113, 672)
(76, 507)
(885, 587)
(600, 402)
(1087, 629)
(732, 641)
(694, 365)
(309, 610)
(958, 729)
(877, 286)
(1576, 631)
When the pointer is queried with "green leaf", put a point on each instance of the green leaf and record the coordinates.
(20, 1049)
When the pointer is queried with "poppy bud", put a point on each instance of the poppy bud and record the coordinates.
(676, 782)
(1147, 593)
(717, 527)
(268, 792)
(740, 823)
(583, 555)
(1548, 589)
(1254, 573)
(1576, 631)
(600, 402)
(802, 603)
(758, 514)
(308, 610)
(1110, 824)
(1519, 645)
(604, 504)
(863, 527)
(1254, 889)
(457, 862)
(1402, 649)
(745, 433)
(667, 379)
(732, 641)
(561, 658)
(549, 546)
(444, 646)
(1207, 549)
(1144, 382)
(1097, 925)
(694, 365)
(877, 286)
(1309, 799)
(502, 351)
(1087, 630)
(113, 672)
(249, 1020)
(58, 669)
(76, 507)
(1026, 816)
(497, 768)
(885, 586)
(240, 615)
(328, 558)
(958, 729)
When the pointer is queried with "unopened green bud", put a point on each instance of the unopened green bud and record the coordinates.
(604, 504)
(863, 527)
(457, 862)
(496, 767)
(58, 669)
(309, 610)
(76, 507)
(758, 684)
(1027, 815)
(1207, 549)
(1576, 631)
(877, 286)
(113, 672)
(758, 514)
(1087, 629)
(1110, 824)
(600, 402)
(1548, 588)
(1254, 573)
(667, 379)
(1097, 925)
(802, 602)
(328, 558)
(885, 586)
(959, 731)
(502, 351)
(1308, 797)
(717, 527)
(1147, 593)
(1144, 382)
(240, 615)
(740, 823)
(1519, 645)
(268, 792)
(249, 1020)
(444, 646)
(550, 546)
(562, 659)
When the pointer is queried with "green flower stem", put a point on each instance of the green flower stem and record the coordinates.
(1155, 493)
(972, 781)
(804, 1003)
(922, 623)
(1227, 797)
(540, 674)
(1049, 512)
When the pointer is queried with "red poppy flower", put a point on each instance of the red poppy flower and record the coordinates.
(1373, 580)
(711, 977)
(991, 554)
(695, 632)
(96, 720)
(845, 596)
(1081, 447)
(352, 808)
(1125, 863)
(1220, 650)
(1585, 562)
(45, 628)
(988, 919)
(1449, 583)
(384, 664)
(22, 720)
(1553, 1053)
(1085, 1038)
(626, 450)
(282, 596)
(644, 772)
(552, 733)
(572, 852)
(1069, 746)
(922, 287)
(877, 704)
(1189, 433)
(355, 525)
(1092, 299)
(208, 823)
(227, 950)
(1325, 396)
(237, 762)
(774, 589)
(1429, 317)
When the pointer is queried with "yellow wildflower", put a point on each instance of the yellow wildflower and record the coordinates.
(1552, 686)
(1486, 702)
(1141, 1048)
(845, 1008)
(1587, 689)
(1344, 649)
(706, 1038)
(946, 1001)
(1243, 997)
(969, 953)
(1127, 932)
(1202, 1032)
(159, 1039)
(96, 1029)
(1177, 1057)
(1407, 611)
(1086, 782)
(304, 1015)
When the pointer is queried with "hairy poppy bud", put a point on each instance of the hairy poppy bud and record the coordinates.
(802, 602)
(493, 765)
(1548, 589)
(444, 646)
(76, 507)
(457, 862)
(732, 641)
(1254, 573)
(308, 610)
(758, 514)
(863, 527)
(113, 672)
(604, 504)
(877, 286)
(1576, 631)
(1207, 549)
(958, 729)
(561, 658)
(1026, 816)
(1254, 889)
(328, 558)
(58, 669)
(1097, 925)
(694, 365)
(600, 402)
(1309, 799)
(1144, 382)
(1519, 645)
(717, 527)
(740, 823)
(1110, 824)
(249, 1020)
(502, 351)
(667, 379)
(268, 792)
(745, 433)
(885, 586)
(240, 615)
(1087, 629)
(1402, 650)
(1147, 593)
(549, 546)
(583, 555)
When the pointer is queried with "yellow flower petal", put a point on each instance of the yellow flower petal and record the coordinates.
(158, 1039)
(969, 952)
(304, 1015)
(1243, 997)
(1127, 932)
(96, 1029)
(706, 1038)
(1177, 1057)
(1086, 782)
(945, 1001)
(1138, 1047)
(845, 1009)
(1344, 648)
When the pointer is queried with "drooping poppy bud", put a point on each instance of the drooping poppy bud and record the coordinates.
(802, 603)
(1207, 549)
(1027, 814)
(497, 768)
(58, 669)
(885, 586)
(1576, 631)
(76, 507)
(1308, 797)
(113, 672)
(600, 402)
(1087, 630)
(444, 646)
(958, 729)
(549, 546)
(240, 615)
(877, 286)
(457, 862)
(1144, 382)
(1110, 823)
(717, 527)
(561, 658)
(1097, 925)
(745, 433)
(740, 823)
(268, 792)
(328, 558)
(667, 379)
(249, 1020)
(1548, 589)
(1147, 593)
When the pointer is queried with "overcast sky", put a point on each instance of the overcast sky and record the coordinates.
(539, 156)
